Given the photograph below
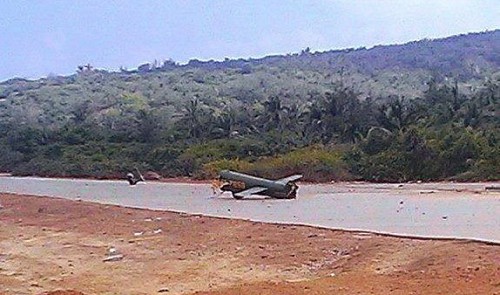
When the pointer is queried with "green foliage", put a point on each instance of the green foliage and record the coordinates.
(428, 155)
(211, 169)
(9, 158)
(315, 163)
(425, 110)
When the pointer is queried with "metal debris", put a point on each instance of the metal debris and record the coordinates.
(113, 258)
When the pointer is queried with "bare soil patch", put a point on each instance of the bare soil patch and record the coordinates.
(58, 247)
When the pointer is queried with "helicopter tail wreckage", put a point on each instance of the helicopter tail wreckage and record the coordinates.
(243, 185)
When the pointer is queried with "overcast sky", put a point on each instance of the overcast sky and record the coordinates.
(48, 36)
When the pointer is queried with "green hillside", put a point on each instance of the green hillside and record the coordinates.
(423, 110)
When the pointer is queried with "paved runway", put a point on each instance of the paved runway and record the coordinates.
(425, 210)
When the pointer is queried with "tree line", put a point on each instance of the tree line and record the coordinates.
(330, 135)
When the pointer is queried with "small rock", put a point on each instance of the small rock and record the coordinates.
(151, 175)
(163, 290)
(157, 231)
(138, 234)
(444, 217)
(492, 188)
(13, 273)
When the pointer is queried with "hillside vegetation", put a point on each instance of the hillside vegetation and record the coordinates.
(424, 110)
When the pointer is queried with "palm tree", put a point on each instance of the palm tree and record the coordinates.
(192, 118)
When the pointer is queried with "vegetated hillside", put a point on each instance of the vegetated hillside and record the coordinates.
(422, 110)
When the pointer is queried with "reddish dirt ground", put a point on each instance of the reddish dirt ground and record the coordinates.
(58, 247)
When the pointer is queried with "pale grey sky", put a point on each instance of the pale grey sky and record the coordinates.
(54, 36)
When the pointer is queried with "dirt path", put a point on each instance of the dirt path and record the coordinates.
(49, 244)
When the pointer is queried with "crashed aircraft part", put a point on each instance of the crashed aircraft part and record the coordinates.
(243, 185)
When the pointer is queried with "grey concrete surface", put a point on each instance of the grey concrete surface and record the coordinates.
(438, 210)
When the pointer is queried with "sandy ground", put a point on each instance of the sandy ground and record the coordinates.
(58, 247)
